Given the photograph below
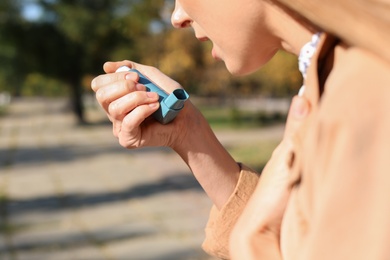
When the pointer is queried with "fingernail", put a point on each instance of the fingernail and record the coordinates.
(153, 105)
(151, 94)
(140, 87)
(128, 77)
(300, 107)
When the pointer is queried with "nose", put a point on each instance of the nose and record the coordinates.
(180, 18)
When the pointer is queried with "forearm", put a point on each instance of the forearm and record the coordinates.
(213, 167)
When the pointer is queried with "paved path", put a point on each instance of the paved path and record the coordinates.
(71, 192)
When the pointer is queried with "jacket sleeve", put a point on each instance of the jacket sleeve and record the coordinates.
(221, 222)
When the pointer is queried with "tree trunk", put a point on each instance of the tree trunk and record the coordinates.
(77, 99)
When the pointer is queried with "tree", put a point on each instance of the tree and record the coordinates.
(9, 16)
(73, 38)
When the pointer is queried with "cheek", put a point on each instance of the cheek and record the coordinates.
(246, 46)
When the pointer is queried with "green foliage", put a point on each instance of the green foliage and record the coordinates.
(40, 85)
(8, 51)
(233, 117)
(256, 154)
(279, 78)
(73, 38)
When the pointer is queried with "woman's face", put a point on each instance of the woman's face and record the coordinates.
(238, 30)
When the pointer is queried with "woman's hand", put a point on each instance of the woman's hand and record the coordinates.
(129, 106)
(257, 232)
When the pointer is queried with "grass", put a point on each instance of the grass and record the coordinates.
(228, 117)
(257, 153)
(254, 155)
(3, 110)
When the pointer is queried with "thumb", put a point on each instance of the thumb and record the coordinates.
(299, 110)
(111, 67)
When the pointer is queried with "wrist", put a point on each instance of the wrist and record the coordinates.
(189, 125)
(213, 167)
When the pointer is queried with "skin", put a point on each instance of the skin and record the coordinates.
(244, 44)
(247, 43)
(264, 211)
(240, 56)
(134, 129)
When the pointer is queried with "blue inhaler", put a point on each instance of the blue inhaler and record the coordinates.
(170, 105)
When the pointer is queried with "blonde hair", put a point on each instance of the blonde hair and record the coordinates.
(364, 23)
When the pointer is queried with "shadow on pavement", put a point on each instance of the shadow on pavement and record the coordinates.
(65, 153)
(174, 183)
(72, 240)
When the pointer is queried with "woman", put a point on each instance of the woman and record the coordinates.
(323, 194)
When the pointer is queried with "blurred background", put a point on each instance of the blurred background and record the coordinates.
(67, 189)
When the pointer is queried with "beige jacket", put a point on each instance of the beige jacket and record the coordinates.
(340, 179)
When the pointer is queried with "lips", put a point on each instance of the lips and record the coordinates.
(214, 54)
(213, 51)
(202, 39)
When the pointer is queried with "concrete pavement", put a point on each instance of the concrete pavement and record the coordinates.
(71, 192)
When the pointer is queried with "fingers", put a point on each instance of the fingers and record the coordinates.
(130, 132)
(127, 103)
(111, 67)
(299, 110)
(152, 73)
(131, 121)
(107, 94)
(119, 93)
(120, 107)
(106, 79)
(158, 77)
(116, 127)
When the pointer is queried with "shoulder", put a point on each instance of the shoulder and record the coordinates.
(358, 87)
(357, 64)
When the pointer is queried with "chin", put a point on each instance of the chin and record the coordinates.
(247, 66)
(242, 69)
